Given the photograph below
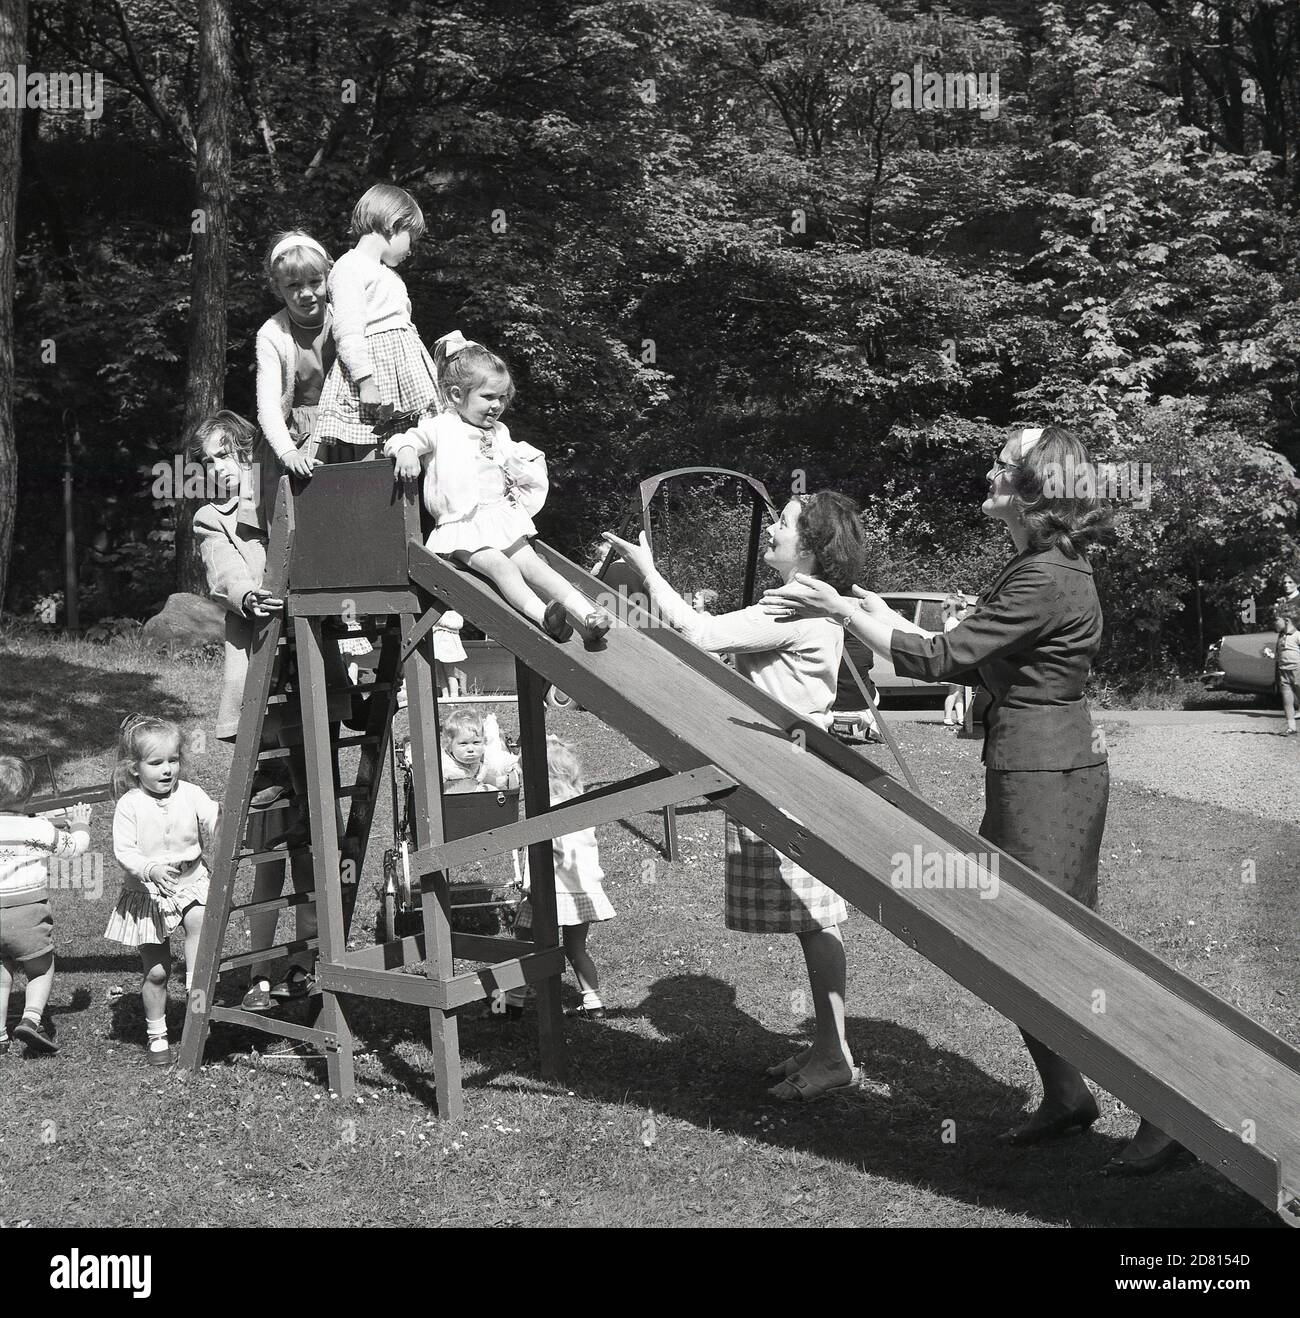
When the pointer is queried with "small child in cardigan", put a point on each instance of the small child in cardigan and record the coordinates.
(160, 828)
(580, 899)
(483, 488)
(295, 351)
(26, 921)
(383, 379)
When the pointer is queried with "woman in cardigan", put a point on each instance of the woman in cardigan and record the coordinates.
(798, 663)
(1032, 638)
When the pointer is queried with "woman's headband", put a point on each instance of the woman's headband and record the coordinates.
(296, 240)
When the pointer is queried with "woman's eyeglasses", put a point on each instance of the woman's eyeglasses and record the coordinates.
(999, 467)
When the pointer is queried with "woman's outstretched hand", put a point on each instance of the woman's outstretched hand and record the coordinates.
(804, 597)
(639, 555)
(872, 603)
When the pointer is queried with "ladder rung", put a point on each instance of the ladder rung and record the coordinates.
(274, 1025)
(278, 853)
(284, 752)
(276, 903)
(267, 953)
(283, 697)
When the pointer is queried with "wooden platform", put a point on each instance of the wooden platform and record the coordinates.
(1203, 1071)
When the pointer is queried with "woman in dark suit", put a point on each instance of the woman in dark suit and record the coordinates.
(1032, 639)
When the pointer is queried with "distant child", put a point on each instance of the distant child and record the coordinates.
(580, 899)
(26, 920)
(954, 705)
(1288, 668)
(482, 488)
(384, 379)
(465, 757)
(295, 351)
(160, 828)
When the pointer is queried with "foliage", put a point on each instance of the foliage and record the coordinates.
(707, 233)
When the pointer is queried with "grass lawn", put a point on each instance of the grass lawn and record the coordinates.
(664, 1120)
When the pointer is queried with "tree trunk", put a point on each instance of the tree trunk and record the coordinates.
(205, 384)
(13, 48)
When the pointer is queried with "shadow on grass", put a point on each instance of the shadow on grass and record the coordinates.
(708, 1070)
(40, 693)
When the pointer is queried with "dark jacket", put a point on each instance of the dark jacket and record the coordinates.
(1032, 637)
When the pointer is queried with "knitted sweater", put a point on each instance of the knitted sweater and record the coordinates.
(367, 298)
(26, 845)
(277, 375)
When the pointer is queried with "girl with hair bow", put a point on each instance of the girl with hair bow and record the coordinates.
(483, 488)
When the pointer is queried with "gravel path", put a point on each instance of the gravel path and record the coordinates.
(1238, 763)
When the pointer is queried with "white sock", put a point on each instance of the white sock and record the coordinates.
(590, 998)
(157, 1032)
(577, 604)
(32, 1017)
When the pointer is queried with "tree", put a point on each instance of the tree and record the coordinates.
(206, 380)
(13, 45)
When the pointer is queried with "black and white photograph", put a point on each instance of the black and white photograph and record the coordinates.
(650, 614)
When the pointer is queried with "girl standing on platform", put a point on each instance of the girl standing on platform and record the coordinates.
(160, 828)
(580, 899)
(483, 487)
(383, 379)
(295, 351)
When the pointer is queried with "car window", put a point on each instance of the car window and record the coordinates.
(931, 615)
(901, 604)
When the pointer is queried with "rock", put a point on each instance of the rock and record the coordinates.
(186, 620)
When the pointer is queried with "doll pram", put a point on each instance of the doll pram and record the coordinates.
(479, 904)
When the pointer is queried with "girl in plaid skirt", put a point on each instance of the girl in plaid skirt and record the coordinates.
(482, 488)
(160, 827)
(580, 899)
(382, 379)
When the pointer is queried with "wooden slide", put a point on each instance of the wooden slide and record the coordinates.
(1202, 1070)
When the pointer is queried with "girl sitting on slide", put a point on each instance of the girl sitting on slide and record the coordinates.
(482, 488)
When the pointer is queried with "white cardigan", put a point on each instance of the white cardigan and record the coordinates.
(277, 374)
(448, 449)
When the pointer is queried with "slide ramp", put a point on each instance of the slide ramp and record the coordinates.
(1208, 1074)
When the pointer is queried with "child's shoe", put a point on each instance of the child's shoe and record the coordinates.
(594, 628)
(555, 622)
(298, 983)
(269, 785)
(4, 1046)
(161, 1056)
(39, 1037)
(257, 998)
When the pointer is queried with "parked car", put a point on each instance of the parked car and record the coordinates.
(925, 609)
(1245, 662)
